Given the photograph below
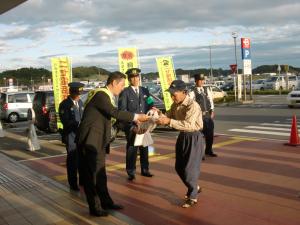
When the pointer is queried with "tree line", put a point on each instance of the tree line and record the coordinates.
(29, 76)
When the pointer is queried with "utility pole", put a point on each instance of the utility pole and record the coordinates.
(235, 35)
(211, 72)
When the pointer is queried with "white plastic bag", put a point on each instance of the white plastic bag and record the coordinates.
(146, 139)
(143, 139)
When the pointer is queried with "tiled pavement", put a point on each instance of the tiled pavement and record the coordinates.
(29, 198)
(252, 182)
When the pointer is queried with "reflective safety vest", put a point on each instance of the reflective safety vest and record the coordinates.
(92, 93)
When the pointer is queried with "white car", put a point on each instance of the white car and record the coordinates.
(258, 85)
(217, 92)
(219, 83)
(293, 98)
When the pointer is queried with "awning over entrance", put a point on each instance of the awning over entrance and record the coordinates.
(7, 5)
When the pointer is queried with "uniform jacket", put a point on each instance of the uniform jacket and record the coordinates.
(70, 116)
(203, 98)
(129, 101)
(95, 128)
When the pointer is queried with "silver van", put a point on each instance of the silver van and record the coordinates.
(14, 105)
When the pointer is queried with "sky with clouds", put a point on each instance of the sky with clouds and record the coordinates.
(91, 31)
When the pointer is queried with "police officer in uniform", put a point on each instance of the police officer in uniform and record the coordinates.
(134, 99)
(70, 112)
(203, 96)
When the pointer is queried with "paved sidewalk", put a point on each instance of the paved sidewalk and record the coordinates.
(252, 182)
(27, 197)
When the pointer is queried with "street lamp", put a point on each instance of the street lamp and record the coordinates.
(4, 79)
(235, 35)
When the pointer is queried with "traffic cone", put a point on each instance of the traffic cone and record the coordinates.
(32, 139)
(294, 137)
(1, 130)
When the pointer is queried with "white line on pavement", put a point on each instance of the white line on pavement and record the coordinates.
(274, 124)
(268, 128)
(259, 138)
(260, 132)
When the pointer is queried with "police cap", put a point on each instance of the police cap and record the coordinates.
(76, 86)
(133, 72)
(177, 85)
(199, 77)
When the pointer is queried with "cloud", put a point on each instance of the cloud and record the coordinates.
(50, 56)
(24, 32)
(92, 30)
(4, 47)
(157, 15)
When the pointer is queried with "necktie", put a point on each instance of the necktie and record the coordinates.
(136, 91)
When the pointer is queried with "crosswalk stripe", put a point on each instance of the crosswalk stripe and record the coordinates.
(275, 124)
(260, 132)
(268, 128)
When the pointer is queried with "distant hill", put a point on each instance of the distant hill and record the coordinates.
(273, 69)
(91, 72)
(24, 76)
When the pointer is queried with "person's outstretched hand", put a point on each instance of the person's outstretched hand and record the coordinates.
(163, 120)
(142, 118)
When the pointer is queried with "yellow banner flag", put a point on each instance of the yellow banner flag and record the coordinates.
(61, 76)
(166, 76)
(128, 58)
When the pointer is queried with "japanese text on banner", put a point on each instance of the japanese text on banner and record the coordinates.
(128, 58)
(61, 76)
(166, 75)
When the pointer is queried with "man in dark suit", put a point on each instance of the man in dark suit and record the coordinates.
(93, 138)
(134, 99)
(70, 112)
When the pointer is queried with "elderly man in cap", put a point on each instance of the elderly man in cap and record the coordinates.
(185, 116)
(135, 99)
(203, 96)
(70, 112)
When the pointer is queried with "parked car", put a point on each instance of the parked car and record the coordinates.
(257, 85)
(46, 117)
(152, 87)
(44, 109)
(14, 105)
(228, 86)
(219, 83)
(217, 92)
(279, 82)
(293, 98)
